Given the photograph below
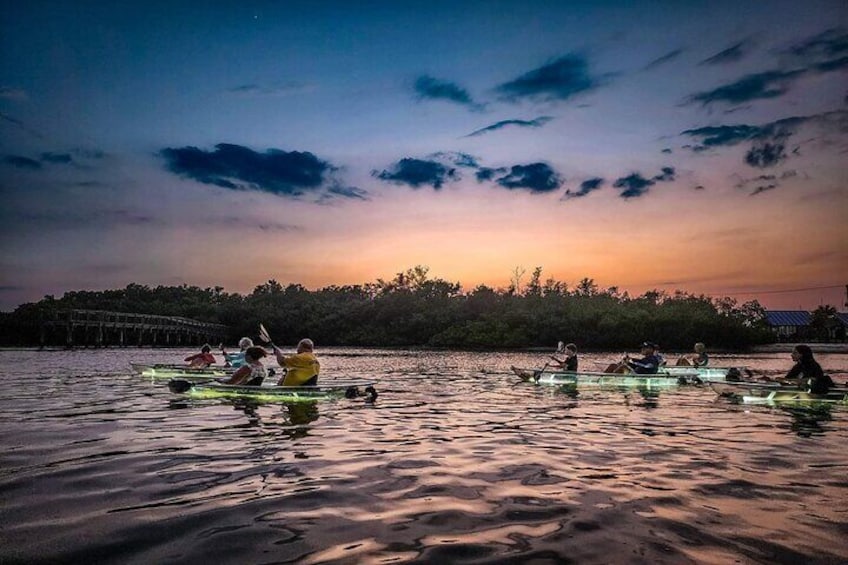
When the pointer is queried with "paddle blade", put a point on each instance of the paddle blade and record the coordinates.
(179, 385)
(263, 334)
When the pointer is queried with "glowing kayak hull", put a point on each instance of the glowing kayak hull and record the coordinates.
(213, 390)
(171, 371)
(770, 393)
(589, 378)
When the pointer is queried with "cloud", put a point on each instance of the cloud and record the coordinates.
(486, 173)
(12, 93)
(537, 123)
(663, 60)
(769, 141)
(457, 158)
(21, 162)
(770, 84)
(586, 187)
(824, 47)
(560, 79)
(429, 88)
(636, 185)
(763, 188)
(763, 183)
(60, 158)
(535, 177)
(258, 91)
(765, 155)
(666, 175)
(730, 55)
(284, 173)
(418, 172)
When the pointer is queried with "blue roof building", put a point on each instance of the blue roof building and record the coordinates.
(788, 323)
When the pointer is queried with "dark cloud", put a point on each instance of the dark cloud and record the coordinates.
(828, 45)
(347, 192)
(537, 123)
(763, 188)
(586, 187)
(768, 142)
(285, 173)
(832, 65)
(729, 55)
(714, 136)
(255, 90)
(636, 185)
(559, 80)
(663, 60)
(535, 177)
(457, 158)
(418, 172)
(60, 158)
(770, 84)
(486, 173)
(429, 88)
(666, 151)
(765, 155)
(666, 175)
(21, 162)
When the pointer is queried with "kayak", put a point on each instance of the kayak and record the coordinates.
(708, 373)
(771, 393)
(589, 378)
(170, 371)
(275, 393)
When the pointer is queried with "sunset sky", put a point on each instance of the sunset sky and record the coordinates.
(699, 146)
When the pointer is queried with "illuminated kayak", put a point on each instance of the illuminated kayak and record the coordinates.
(589, 378)
(275, 393)
(719, 374)
(170, 371)
(772, 393)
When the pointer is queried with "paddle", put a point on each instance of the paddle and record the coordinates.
(263, 335)
(538, 374)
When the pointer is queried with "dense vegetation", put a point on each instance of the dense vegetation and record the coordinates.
(415, 310)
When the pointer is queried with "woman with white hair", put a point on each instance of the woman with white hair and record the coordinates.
(302, 367)
(236, 360)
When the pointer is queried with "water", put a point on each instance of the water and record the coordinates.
(451, 465)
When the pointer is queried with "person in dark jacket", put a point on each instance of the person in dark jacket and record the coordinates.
(570, 361)
(649, 364)
(807, 374)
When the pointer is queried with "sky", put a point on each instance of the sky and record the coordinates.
(693, 146)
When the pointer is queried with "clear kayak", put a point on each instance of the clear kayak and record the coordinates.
(275, 393)
(773, 393)
(170, 371)
(589, 378)
(708, 373)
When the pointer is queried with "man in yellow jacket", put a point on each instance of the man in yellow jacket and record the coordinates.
(301, 368)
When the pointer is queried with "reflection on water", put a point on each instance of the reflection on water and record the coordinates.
(455, 462)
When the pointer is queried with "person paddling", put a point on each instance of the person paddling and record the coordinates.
(648, 365)
(252, 373)
(700, 359)
(301, 368)
(201, 360)
(236, 360)
(807, 374)
(570, 361)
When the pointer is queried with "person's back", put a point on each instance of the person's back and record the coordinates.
(302, 368)
(201, 360)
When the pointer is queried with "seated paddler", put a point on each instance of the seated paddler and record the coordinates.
(301, 368)
(648, 364)
(252, 373)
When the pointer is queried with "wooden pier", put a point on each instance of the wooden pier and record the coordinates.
(100, 328)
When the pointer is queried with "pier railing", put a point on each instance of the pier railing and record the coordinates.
(100, 328)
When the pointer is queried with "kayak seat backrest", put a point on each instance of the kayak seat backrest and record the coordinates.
(255, 381)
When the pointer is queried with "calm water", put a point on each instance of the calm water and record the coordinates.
(451, 465)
